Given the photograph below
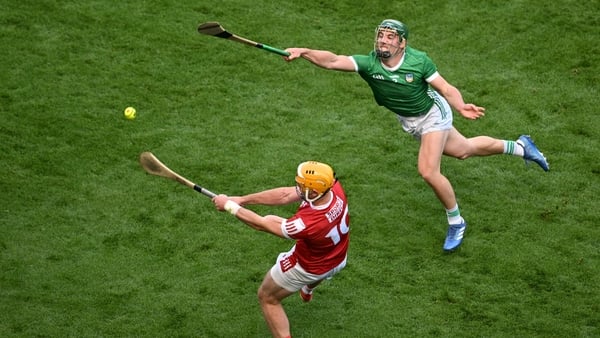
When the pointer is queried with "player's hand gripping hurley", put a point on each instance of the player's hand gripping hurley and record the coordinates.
(153, 166)
(215, 29)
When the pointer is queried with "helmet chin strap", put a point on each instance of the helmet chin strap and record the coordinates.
(308, 199)
(304, 195)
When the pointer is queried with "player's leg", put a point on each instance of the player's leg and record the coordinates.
(430, 153)
(307, 290)
(429, 166)
(270, 295)
(312, 281)
(461, 147)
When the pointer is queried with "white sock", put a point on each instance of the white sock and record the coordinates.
(454, 215)
(513, 148)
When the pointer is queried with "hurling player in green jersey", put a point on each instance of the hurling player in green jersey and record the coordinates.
(407, 82)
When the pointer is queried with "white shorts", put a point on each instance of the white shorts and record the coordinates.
(294, 278)
(439, 117)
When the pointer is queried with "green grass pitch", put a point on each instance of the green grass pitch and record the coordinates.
(92, 246)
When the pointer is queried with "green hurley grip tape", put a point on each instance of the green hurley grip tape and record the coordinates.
(272, 49)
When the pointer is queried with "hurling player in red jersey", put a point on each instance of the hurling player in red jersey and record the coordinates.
(320, 229)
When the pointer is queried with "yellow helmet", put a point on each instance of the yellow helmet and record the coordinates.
(314, 176)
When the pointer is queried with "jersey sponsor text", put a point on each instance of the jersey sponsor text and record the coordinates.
(336, 210)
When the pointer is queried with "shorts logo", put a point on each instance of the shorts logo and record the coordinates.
(409, 77)
(287, 263)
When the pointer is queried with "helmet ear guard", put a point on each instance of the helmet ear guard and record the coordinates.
(313, 176)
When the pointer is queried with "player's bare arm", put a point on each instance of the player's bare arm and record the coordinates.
(276, 196)
(269, 223)
(322, 58)
(455, 99)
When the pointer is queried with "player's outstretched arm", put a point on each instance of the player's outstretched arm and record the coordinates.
(276, 196)
(322, 58)
(269, 223)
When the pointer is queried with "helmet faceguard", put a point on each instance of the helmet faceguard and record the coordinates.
(313, 178)
(390, 26)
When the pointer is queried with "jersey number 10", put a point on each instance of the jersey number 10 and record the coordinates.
(335, 234)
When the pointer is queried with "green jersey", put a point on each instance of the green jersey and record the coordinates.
(405, 90)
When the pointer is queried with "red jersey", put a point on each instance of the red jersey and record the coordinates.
(321, 233)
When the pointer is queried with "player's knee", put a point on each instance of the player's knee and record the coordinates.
(265, 297)
(261, 295)
(428, 174)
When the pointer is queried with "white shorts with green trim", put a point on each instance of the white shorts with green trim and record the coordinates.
(439, 117)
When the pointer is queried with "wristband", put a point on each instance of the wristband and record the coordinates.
(232, 207)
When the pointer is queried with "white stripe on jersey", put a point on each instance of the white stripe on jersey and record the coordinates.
(292, 228)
